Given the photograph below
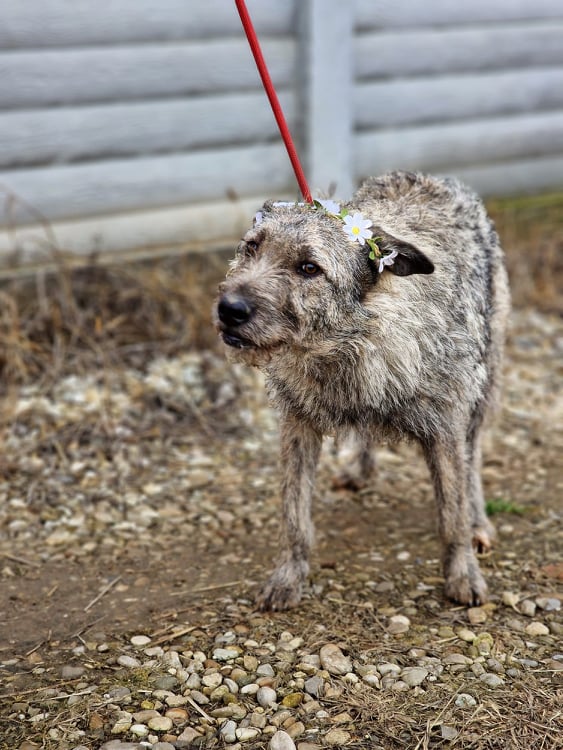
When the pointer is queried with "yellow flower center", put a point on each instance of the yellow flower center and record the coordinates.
(355, 230)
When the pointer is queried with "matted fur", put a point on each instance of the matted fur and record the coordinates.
(414, 352)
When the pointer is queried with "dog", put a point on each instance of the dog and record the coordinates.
(384, 318)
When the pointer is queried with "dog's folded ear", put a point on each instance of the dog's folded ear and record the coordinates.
(409, 259)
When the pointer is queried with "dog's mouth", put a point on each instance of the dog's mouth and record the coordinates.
(237, 342)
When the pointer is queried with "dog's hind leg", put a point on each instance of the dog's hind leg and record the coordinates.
(359, 468)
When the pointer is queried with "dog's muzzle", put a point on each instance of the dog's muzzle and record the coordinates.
(233, 312)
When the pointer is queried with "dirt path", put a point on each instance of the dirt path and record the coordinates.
(146, 502)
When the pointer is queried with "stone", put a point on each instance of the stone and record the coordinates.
(281, 741)
(388, 668)
(178, 715)
(536, 628)
(141, 730)
(161, 723)
(292, 700)
(549, 604)
(266, 697)
(398, 624)
(141, 717)
(244, 734)
(455, 658)
(314, 686)
(70, 672)
(186, 738)
(372, 680)
(414, 676)
(265, 670)
(491, 680)
(448, 733)
(228, 731)
(334, 661)
(527, 608)
(140, 640)
(337, 737)
(296, 730)
(477, 615)
(464, 700)
(123, 723)
(226, 654)
(466, 635)
(128, 661)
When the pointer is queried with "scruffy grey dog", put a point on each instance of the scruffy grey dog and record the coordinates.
(413, 351)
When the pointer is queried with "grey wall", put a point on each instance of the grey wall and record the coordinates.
(145, 124)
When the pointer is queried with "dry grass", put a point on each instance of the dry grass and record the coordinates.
(75, 318)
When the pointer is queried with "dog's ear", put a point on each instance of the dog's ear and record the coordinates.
(409, 259)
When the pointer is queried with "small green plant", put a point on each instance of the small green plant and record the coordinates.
(499, 505)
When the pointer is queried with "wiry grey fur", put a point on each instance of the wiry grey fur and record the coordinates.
(414, 352)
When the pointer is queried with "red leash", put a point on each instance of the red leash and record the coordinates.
(273, 98)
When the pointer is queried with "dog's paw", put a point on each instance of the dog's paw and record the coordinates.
(348, 480)
(464, 581)
(283, 588)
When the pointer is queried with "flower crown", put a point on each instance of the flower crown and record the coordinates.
(355, 226)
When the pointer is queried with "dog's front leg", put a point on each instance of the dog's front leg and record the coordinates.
(300, 448)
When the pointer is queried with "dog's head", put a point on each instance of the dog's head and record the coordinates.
(299, 280)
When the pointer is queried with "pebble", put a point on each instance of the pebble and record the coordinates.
(266, 696)
(141, 730)
(466, 635)
(226, 654)
(228, 731)
(122, 724)
(448, 733)
(243, 734)
(128, 661)
(414, 676)
(337, 737)
(464, 700)
(314, 686)
(187, 737)
(398, 624)
(140, 640)
(536, 628)
(549, 604)
(161, 723)
(528, 608)
(477, 615)
(334, 661)
(70, 672)
(281, 741)
(388, 668)
(491, 680)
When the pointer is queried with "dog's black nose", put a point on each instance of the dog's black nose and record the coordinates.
(233, 311)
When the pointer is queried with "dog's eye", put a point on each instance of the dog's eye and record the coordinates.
(252, 246)
(309, 269)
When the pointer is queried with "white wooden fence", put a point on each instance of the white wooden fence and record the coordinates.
(144, 124)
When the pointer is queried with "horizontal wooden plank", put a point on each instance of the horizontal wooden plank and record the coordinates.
(438, 99)
(406, 13)
(130, 184)
(452, 146)
(73, 76)
(524, 177)
(56, 23)
(68, 134)
(433, 51)
(194, 226)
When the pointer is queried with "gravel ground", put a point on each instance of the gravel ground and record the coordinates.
(139, 510)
